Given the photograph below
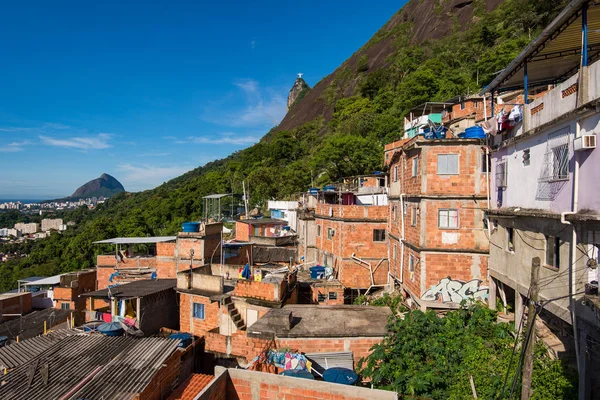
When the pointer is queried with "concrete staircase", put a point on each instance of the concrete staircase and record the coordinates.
(234, 314)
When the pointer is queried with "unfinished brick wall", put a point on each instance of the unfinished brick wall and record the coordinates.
(395, 257)
(19, 303)
(166, 267)
(354, 275)
(196, 326)
(470, 234)
(102, 276)
(470, 179)
(412, 280)
(460, 267)
(164, 380)
(166, 249)
(260, 290)
(337, 292)
(106, 260)
(242, 231)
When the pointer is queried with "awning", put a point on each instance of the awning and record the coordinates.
(51, 280)
(556, 53)
(137, 240)
(217, 196)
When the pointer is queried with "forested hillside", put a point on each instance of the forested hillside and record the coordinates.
(430, 51)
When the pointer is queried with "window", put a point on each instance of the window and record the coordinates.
(332, 295)
(510, 239)
(199, 310)
(486, 163)
(321, 297)
(319, 230)
(330, 233)
(65, 306)
(413, 219)
(379, 235)
(415, 166)
(448, 219)
(560, 162)
(447, 164)
(501, 174)
(394, 252)
(462, 104)
(553, 251)
(411, 266)
(395, 176)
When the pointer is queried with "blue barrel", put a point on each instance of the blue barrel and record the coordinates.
(474, 132)
(298, 373)
(111, 329)
(186, 339)
(341, 375)
(317, 272)
(191, 226)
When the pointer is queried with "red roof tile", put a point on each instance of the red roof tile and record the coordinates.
(191, 387)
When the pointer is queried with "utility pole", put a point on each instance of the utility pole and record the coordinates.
(245, 198)
(530, 336)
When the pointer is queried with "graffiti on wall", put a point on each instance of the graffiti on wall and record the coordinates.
(450, 290)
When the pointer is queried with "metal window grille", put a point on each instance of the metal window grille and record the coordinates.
(199, 310)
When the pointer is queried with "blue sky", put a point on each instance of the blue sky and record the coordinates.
(148, 91)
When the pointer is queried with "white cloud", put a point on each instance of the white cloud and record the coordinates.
(262, 107)
(16, 129)
(14, 147)
(224, 138)
(97, 142)
(142, 177)
(253, 43)
(154, 154)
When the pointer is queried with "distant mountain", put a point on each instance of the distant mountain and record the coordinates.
(106, 186)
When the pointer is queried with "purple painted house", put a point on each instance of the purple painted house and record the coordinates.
(545, 186)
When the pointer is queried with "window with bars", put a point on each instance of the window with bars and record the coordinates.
(65, 306)
(560, 162)
(332, 295)
(448, 219)
(321, 297)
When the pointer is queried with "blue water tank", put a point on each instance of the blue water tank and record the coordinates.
(317, 272)
(474, 132)
(186, 339)
(191, 226)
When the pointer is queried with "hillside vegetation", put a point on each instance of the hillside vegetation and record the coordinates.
(365, 101)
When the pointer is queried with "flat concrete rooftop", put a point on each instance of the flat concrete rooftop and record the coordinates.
(323, 321)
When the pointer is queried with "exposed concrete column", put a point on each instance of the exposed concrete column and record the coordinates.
(518, 309)
(584, 372)
(492, 295)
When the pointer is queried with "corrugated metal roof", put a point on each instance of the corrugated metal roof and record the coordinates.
(51, 280)
(137, 240)
(32, 324)
(139, 288)
(323, 361)
(216, 196)
(114, 367)
(556, 53)
(16, 354)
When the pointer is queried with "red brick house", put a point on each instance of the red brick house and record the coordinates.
(166, 255)
(351, 233)
(437, 238)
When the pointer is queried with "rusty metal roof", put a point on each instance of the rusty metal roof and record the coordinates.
(105, 367)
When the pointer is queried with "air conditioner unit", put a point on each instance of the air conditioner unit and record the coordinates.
(585, 142)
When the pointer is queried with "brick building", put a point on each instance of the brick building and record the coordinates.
(350, 220)
(437, 238)
(222, 310)
(72, 285)
(161, 256)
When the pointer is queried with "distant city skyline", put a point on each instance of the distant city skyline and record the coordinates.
(147, 93)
